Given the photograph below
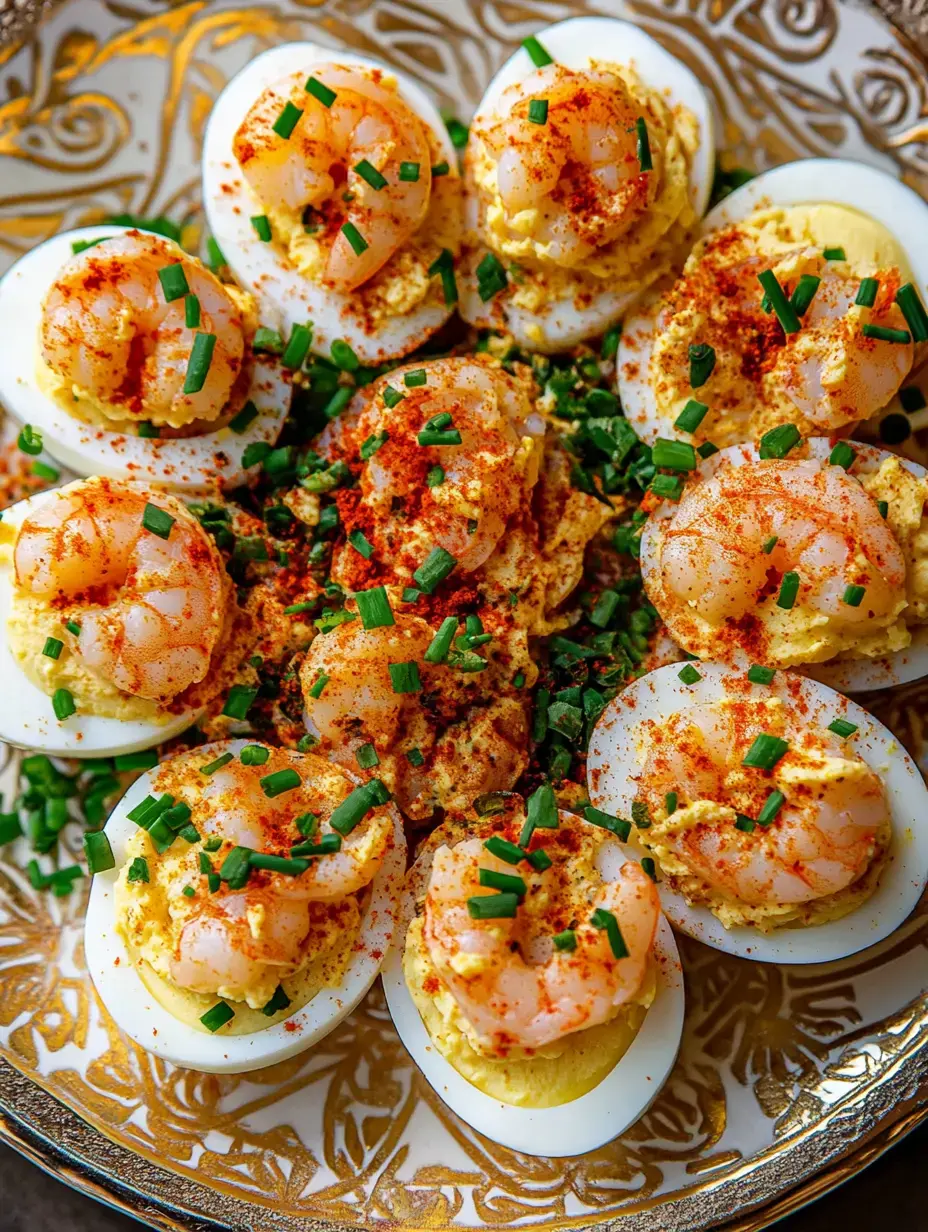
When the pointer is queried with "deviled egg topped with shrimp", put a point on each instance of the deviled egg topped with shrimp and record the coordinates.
(251, 897)
(589, 163)
(800, 302)
(797, 553)
(127, 357)
(536, 972)
(783, 820)
(116, 607)
(331, 185)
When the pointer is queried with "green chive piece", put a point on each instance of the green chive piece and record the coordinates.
(366, 757)
(267, 340)
(440, 644)
(254, 755)
(30, 440)
(357, 805)
(327, 846)
(138, 870)
(745, 824)
(73, 627)
(214, 253)
(188, 891)
(213, 883)
(439, 436)
(435, 478)
(279, 1001)
(702, 363)
(374, 608)
(567, 940)
(318, 685)
(201, 356)
(354, 237)
(853, 595)
(761, 675)
(692, 414)
(648, 866)
(392, 397)
(667, 487)
(287, 121)
(320, 91)
(239, 701)
(173, 281)
(541, 813)
(236, 868)
(507, 882)
(789, 589)
(618, 826)
(372, 444)
(149, 431)
(443, 265)
(440, 169)
(707, 449)
(343, 356)
(280, 781)
(867, 292)
(191, 312)
(643, 145)
(770, 808)
(640, 815)
(778, 442)
(434, 569)
(157, 521)
(673, 455)
(834, 254)
(842, 728)
(415, 758)
(670, 803)
(52, 648)
(262, 226)
(606, 920)
(10, 828)
(882, 508)
(765, 752)
(404, 677)
(913, 310)
(360, 543)
(769, 544)
(491, 277)
(147, 811)
(508, 852)
(786, 313)
(538, 111)
(221, 1012)
(882, 334)
(493, 906)
(297, 347)
(418, 376)
(63, 704)
(409, 173)
(842, 455)
(804, 293)
(287, 866)
(369, 173)
(212, 766)
(43, 471)
(537, 53)
(689, 674)
(205, 864)
(98, 852)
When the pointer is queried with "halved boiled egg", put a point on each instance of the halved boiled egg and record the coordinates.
(814, 560)
(785, 823)
(97, 359)
(331, 186)
(590, 161)
(711, 358)
(114, 604)
(497, 1012)
(249, 906)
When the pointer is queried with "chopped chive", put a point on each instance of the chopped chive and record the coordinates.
(648, 866)
(409, 173)
(667, 487)
(262, 226)
(440, 644)
(804, 293)
(280, 781)
(618, 826)
(537, 53)
(567, 940)
(789, 589)
(443, 265)
(541, 813)
(434, 569)
(493, 906)
(147, 811)
(216, 258)
(508, 852)
(507, 882)
(369, 173)
(213, 882)
(138, 870)
(769, 544)
(643, 145)
(702, 362)
(370, 446)
(842, 728)
(52, 648)
(834, 254)
(765, 752)
(440, 169)
(286, 865)
(149, 431)
(201, 356)
(327, 846)
(414, 378)
(236, 868)
(882, 508)
(221, 1012)
(320, 91)
(98, 852)
(287, 121)
(343, 356)
(173, 281)
(318, 685)
(491, 277)
(435, 478)
(10, 828)
(786, 313)
(853, 595)
(606, 920)
(745, 824)
(73, 627)
(188, 891)
(279, 1001)
(913, 310)
(415, 758)
(212, 766)
(770, 808)
(707, 449)
(670, 803)
(63, 704)
(146, 759)
(239, 701)
(43, 471)
(392, 397)
(689, 674)
(538, 111)
(457, 131)
(404, 677)
(440, 436)
(267, 340)
(357, 805)
(191, 312)
(366, 757)
(842, 455)
(374, 608)
(692, 414)
(883, 334)
(297, 347)
(673, 455)
(354, 237)
(29, 440)
(778, 442)
(867, 292)
(254, 755)
(205, 864)
(641, 815)
(360, 543)
(761, 675)
(157, 521)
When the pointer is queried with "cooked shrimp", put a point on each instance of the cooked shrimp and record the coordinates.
(822, 839)
(316, 166)
(487, 476)
(722, 554)
(150, 609)
(579, 171)
(108, 330)
(512, 985)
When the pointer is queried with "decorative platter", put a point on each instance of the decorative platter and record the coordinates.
(789, 1079)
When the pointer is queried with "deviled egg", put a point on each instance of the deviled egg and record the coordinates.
(801, 302)
(248, 905)
(590, 161)
(116, 608)
(796, 554)
(534, 981)
(784, 822)
(128, 358)
(331, 186)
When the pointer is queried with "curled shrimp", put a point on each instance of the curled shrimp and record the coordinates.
(150, 609)
(578, 172)
(511, 984)
(822, 839)
(316, 166)
(714, 568)
(489, 464)
(108, 330)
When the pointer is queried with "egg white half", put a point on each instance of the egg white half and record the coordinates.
(190, 464)
(286, 297)
(808, 181)
(616, 759)
(586, 1123)
(574, 43)
(26, 716)
(139, 1015)
(848, 675)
